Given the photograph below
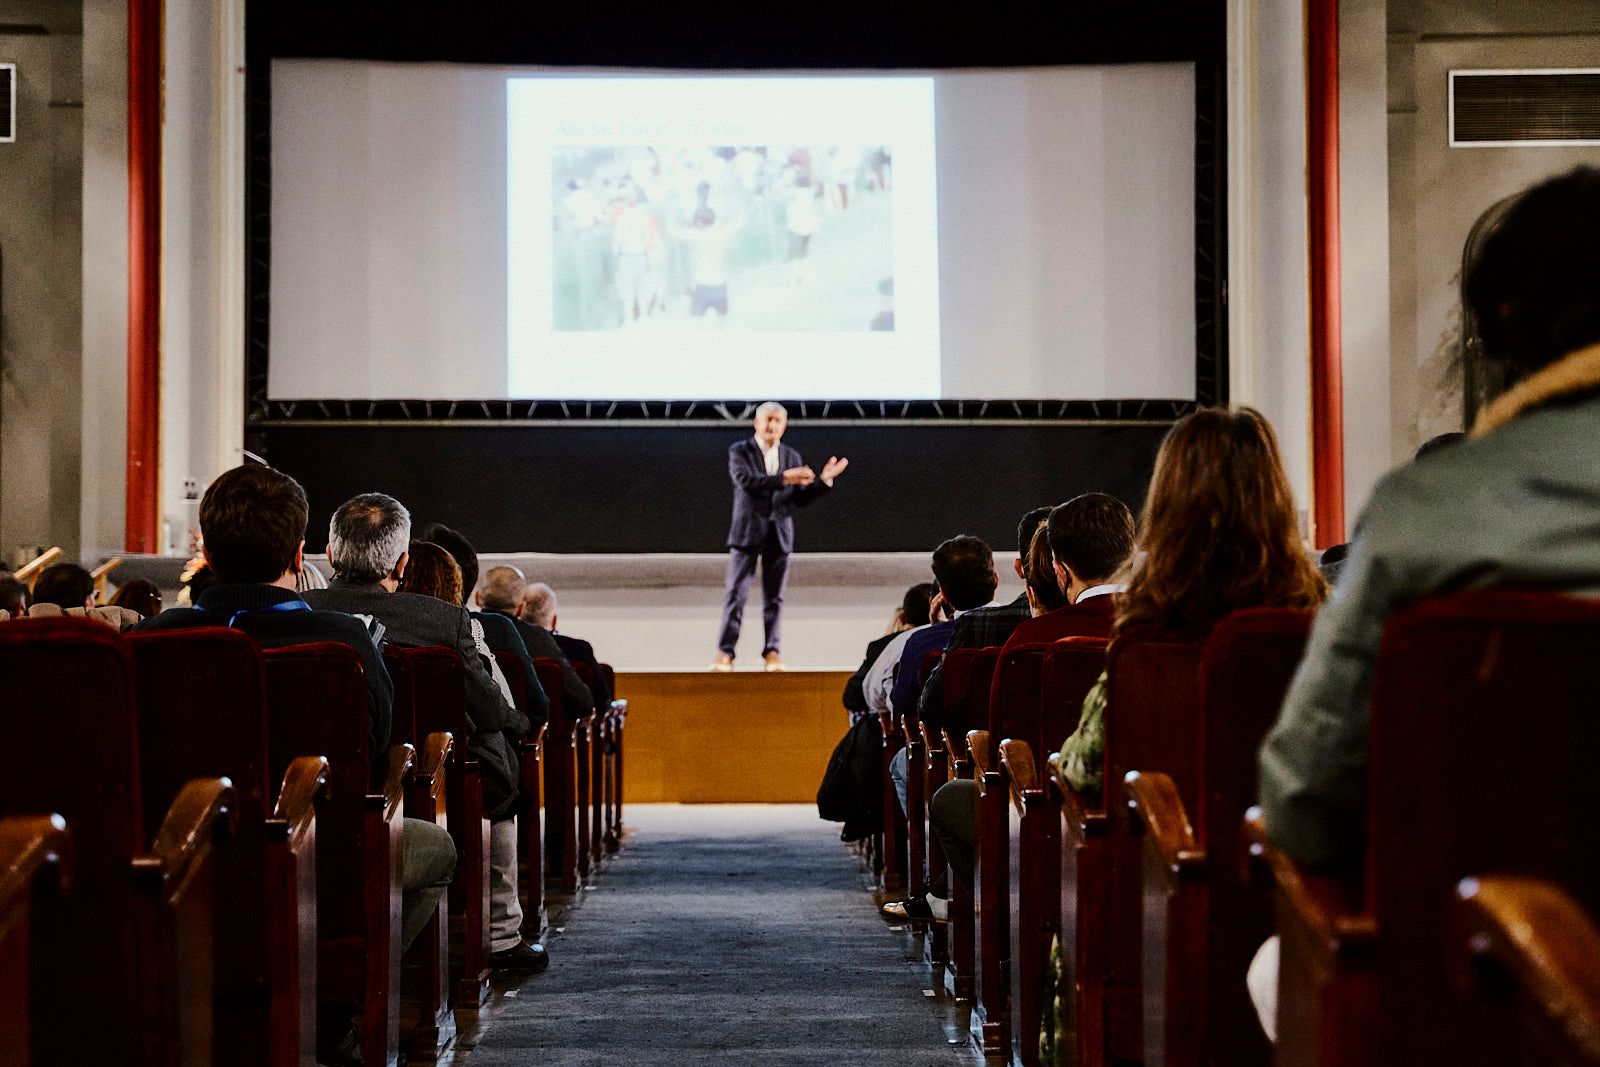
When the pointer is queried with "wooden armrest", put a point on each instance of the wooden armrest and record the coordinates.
(29, 572)
(1318, 902)
(402, 758)
(29, 845)
(956, 747)
(429, 767)
(534, 739)
(202, 807)
(1017, 758)
(978, 745)
(1548, 944)
(305, 779)
(1153, 799)
(99, 573)
(1084, 821)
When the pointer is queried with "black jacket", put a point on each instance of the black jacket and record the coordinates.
(501, 635)
(855, 696)
(761, 502)
(541, 645)
(580, 651)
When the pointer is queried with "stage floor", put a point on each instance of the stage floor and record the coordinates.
(746, 737)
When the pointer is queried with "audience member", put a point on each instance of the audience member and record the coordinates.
(539, 602)
(140, 595)
(493, 633)
(13, 597)
(254, 521)
(68, 589)
(1219, 533)
(434, 572)
(978, 629)
(1512, 505)
(963, 571)
(1090, 538)
(1042, 590)
(367, 545)
(912, 612)
(1331, 561)
(502, 595)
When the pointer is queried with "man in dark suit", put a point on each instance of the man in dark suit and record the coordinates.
(769, 481)
(539, 606)
(253, 519)
(1091, 537)
(502, 597)
(367, 545)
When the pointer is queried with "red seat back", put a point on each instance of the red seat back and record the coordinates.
(1014, 692)
(203, 714)
(317, 703)
(1483, 736)
(1152, 717)
(436, 682)
(69, 723)
(511, 667)
(1245, 669)
(1070, 668)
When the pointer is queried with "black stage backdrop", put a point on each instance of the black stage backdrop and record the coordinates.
(666, 489)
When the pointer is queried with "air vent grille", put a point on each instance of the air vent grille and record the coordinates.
(8, 102)
(1525, 108)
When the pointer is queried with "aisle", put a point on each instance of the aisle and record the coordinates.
(725, 934)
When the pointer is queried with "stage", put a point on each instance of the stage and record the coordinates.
(747, 737)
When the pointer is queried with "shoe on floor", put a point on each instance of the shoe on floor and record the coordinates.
(522, 961)
(722, 664)
(773, 661)
(924, 908)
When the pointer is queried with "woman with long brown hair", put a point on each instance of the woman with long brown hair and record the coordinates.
(432, 572)
(1218, 534)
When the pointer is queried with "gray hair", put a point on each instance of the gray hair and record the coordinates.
(501, 589)
(368, 535)
(539, 604)
(772, 405)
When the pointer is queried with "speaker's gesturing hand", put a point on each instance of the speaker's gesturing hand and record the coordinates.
(799, 476)
(833, 468)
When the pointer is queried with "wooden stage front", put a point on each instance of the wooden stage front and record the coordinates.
(745, 737)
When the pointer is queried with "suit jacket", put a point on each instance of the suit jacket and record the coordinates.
(979, 628)
(500, 634)
(415, 621)
(250, 607)
(855, 695)
(761, 502)
(580, 651)
(541, 645)
(1087, 618)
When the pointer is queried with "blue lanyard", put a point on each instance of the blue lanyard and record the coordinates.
(286, 605)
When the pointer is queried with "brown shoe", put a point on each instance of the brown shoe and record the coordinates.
(722, 664)
(773, 661)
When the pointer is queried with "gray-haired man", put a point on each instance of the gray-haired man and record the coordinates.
(769, 481)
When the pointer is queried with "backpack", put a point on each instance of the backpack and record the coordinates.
(852, 787)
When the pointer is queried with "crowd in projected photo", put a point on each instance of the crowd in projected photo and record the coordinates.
(748, 238)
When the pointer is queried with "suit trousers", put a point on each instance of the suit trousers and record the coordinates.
(736, 585)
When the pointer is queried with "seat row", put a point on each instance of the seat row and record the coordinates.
(197, 845)
(1467, 936)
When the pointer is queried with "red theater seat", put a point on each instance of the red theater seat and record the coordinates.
(1482, 740)
(560, 786)
(1200, 925)
(138, 914)
(202, 713)
(35, 860)
(530, 846)
(317, 702)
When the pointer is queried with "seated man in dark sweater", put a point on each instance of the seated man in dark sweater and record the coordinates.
(539, 607)
(368, 541)
(253, 519)
(502, 595)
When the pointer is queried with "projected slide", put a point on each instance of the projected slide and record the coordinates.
(720, 236)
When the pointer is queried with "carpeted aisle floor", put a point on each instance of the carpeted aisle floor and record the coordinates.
(728, 934)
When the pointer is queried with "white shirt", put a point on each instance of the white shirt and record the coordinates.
(769, 456)
(1100, 590)
(881, 675)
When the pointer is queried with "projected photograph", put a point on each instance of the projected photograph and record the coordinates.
(749, 237)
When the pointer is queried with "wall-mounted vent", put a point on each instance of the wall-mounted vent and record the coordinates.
(8, 102)
(1524, 108)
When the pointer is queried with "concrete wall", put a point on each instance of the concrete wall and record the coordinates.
(1436, 192)
(40, 307)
